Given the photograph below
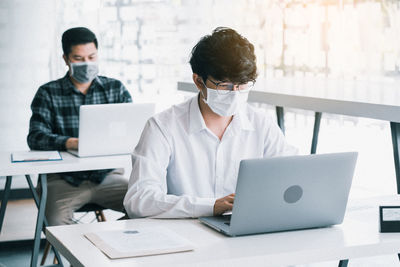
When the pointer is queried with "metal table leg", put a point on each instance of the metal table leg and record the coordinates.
(36, 198)
(35, 195)
(395, 129)
(5, 200)
(280, 118)
(40, 219)
(317, 123)
(343, 263)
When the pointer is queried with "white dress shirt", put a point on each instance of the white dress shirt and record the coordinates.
(180, 167)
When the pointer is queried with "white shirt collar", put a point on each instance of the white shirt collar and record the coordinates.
(196, 120)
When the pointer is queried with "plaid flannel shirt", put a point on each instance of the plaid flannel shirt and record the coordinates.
(55, 116)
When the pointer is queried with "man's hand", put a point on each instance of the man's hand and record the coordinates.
(224, 204)
(72, 143)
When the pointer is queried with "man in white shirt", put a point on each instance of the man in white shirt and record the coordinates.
(186, 162)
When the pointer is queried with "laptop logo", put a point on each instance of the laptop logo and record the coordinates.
(293, 194)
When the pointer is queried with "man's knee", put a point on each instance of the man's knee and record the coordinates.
(63, 199)
(58, 215)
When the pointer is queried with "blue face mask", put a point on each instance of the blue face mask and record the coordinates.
(84, 72)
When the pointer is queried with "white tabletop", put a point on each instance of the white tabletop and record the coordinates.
(358, 236)
(376, 100)
(67, 164)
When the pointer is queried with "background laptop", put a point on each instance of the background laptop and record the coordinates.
(110, 129)
(287, 193)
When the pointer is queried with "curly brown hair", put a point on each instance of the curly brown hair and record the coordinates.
(224, 55)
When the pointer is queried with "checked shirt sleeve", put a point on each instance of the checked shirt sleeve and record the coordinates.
(41, 136)
(125, 96)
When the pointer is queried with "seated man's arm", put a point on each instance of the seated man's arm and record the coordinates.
(275, 143)
(125, 96)
(40, 135)
(147, 193)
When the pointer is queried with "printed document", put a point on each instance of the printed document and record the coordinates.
(139, 242)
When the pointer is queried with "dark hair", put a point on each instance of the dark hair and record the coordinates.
(77, 36)
(224, 55)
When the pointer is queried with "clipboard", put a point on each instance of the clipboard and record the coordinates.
(32, 156)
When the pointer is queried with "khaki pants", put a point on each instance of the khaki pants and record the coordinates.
(63, 198)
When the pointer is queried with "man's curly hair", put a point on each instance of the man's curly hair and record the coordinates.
(224, 55)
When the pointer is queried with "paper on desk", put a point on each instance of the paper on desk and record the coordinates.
(139, 242)
(26, 156)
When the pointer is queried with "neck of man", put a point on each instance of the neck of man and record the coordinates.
(82, 87)
(216, 123)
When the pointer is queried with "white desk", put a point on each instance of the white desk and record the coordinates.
(376, 100)
(69, 163)
(358, 236)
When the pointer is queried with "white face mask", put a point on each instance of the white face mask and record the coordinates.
(84, 72)
(226, 104)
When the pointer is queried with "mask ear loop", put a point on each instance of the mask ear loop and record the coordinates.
(201, 92)
(71, 69)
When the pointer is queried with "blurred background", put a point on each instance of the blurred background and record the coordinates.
(147, 43)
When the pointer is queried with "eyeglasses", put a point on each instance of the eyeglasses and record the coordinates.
(226, 87)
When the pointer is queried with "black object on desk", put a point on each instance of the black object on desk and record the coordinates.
(389, 218)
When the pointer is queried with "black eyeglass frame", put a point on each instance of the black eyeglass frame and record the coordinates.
(232, 85)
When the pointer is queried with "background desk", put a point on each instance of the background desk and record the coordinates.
(358, 236)
(69, 163)
(375, 100)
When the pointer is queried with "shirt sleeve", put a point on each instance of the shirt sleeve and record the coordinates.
(41, 136)
(125, 96)
(275, 143)
(147, 193)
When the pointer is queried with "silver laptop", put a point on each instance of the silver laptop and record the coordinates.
(110, 129)
(288, 193)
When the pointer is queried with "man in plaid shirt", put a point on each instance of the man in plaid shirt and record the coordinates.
(54, 126)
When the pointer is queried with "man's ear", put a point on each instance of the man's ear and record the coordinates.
(198, 81)
(65, 60)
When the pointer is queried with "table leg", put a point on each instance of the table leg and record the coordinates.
(317, 123)
(36, 198)
(280, 118)
(40, 219)
(4, 201)
(343, 263)
(35, 195)
(395, 129)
